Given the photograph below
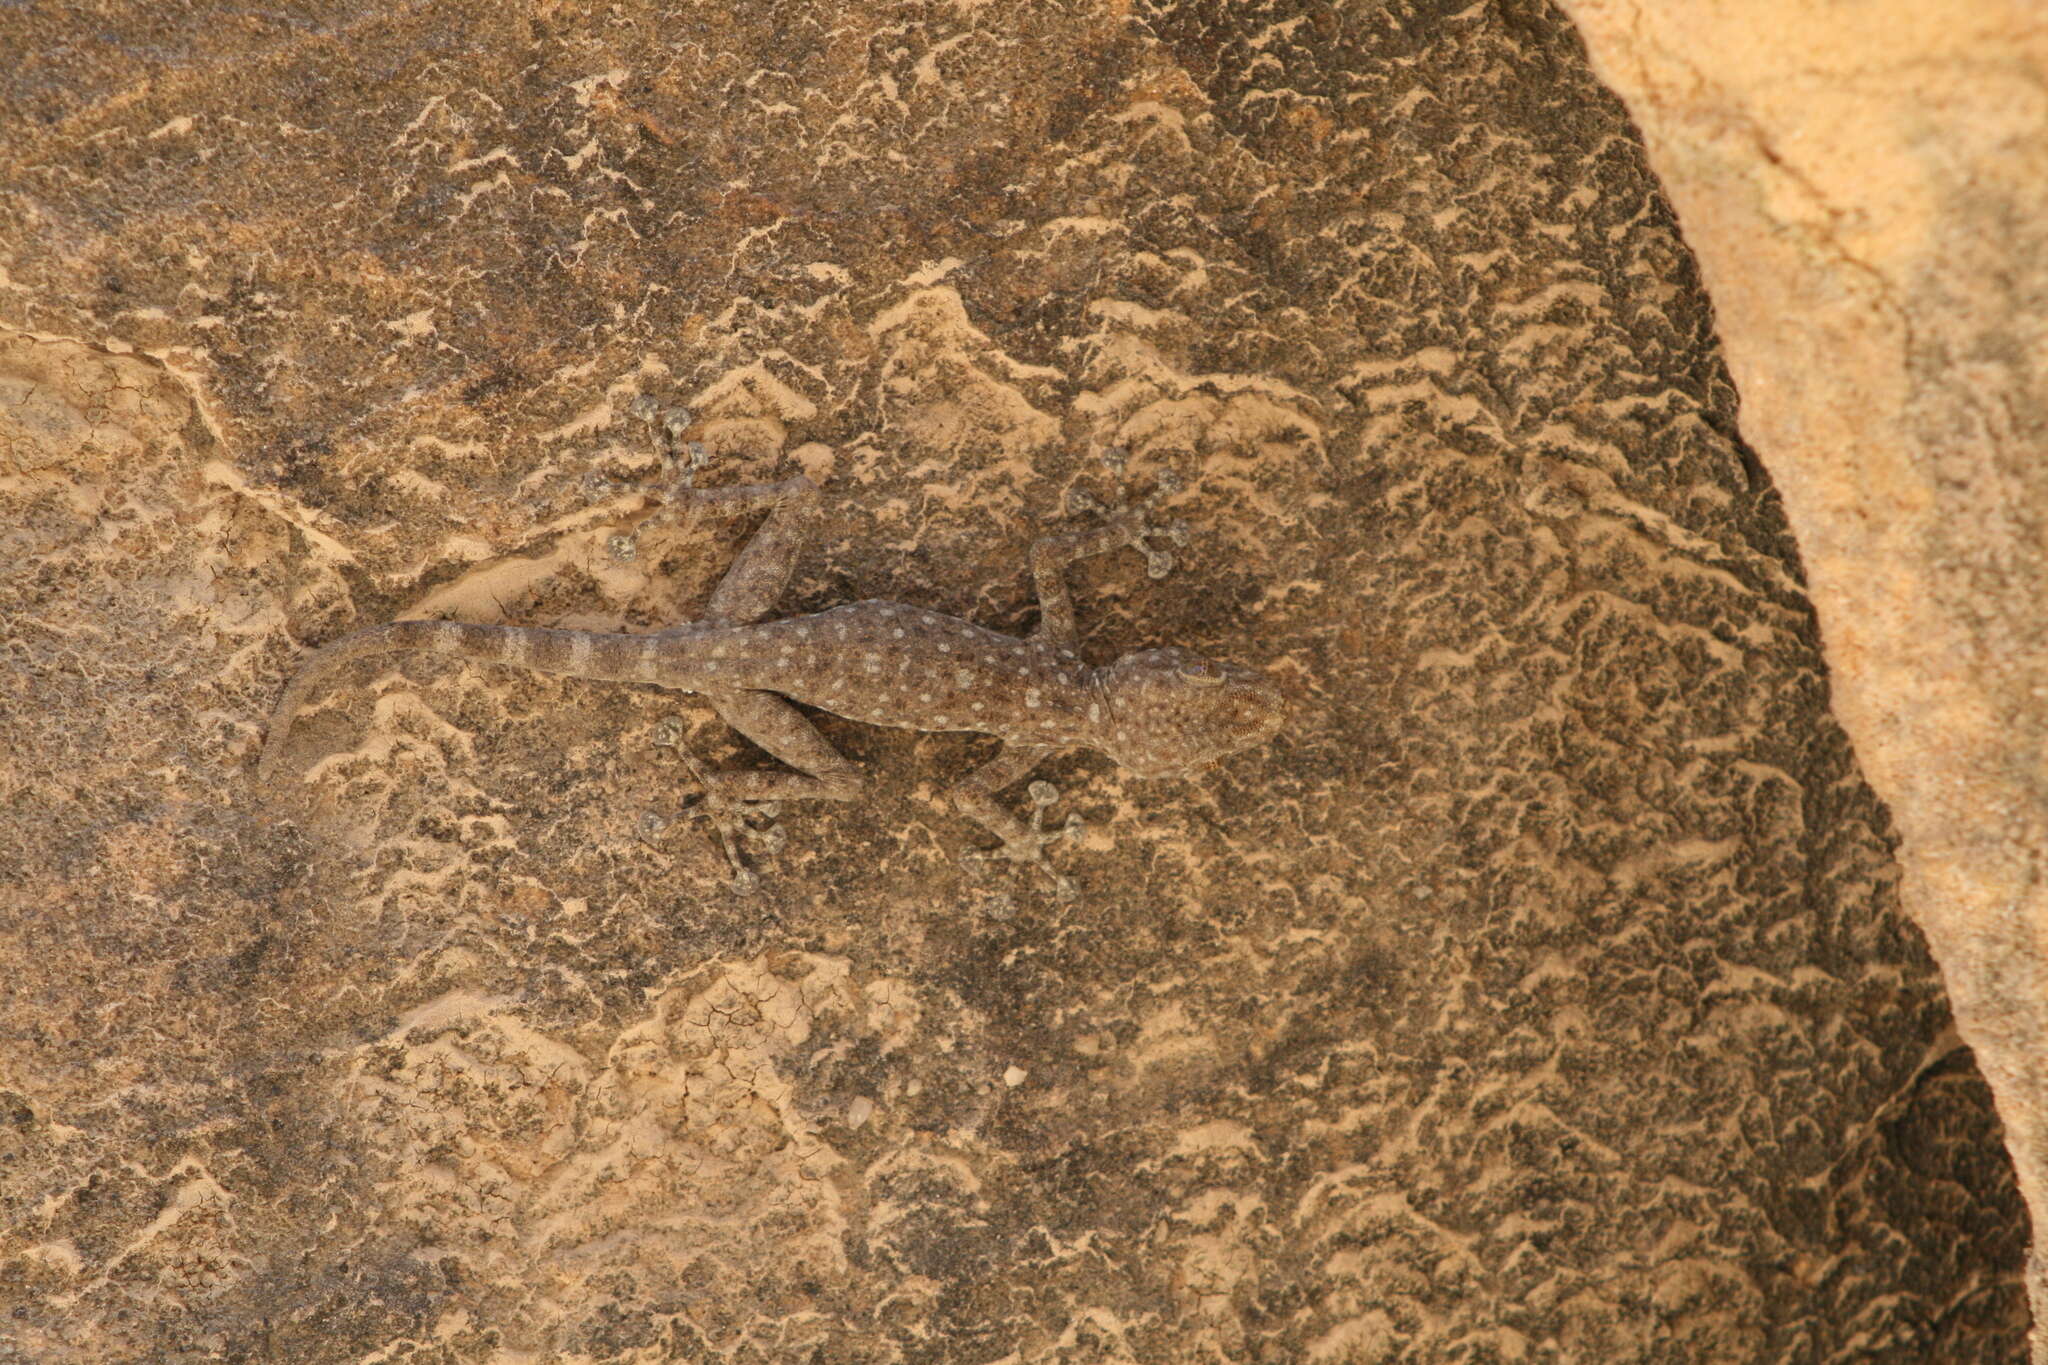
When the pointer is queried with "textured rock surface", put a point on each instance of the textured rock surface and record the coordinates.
(1867, 188)
(1544, 995)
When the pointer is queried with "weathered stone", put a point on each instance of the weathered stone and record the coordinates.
(1543, 995)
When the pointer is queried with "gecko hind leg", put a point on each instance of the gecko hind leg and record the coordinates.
(759, 573)
(732, 820)
(744, 805)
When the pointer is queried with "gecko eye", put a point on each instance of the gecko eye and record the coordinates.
(1206, 675)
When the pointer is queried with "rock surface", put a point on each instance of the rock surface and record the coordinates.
(1543, 994)
(1867, 189)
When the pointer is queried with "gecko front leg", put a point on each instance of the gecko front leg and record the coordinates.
(975, 798)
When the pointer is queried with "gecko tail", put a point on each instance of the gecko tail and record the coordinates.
(576, 653)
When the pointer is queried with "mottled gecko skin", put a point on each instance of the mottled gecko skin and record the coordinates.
(1160, 712)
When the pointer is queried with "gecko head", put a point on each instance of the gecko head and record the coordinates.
(1171, 712)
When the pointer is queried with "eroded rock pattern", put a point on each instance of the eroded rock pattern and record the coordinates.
(1541, 995)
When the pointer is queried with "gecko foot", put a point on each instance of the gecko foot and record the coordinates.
(681, 460)
(736, 820)
(1028, 846)
(733, 819)
(1129, 516)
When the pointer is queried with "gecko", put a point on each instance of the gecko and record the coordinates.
(1161, 712)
